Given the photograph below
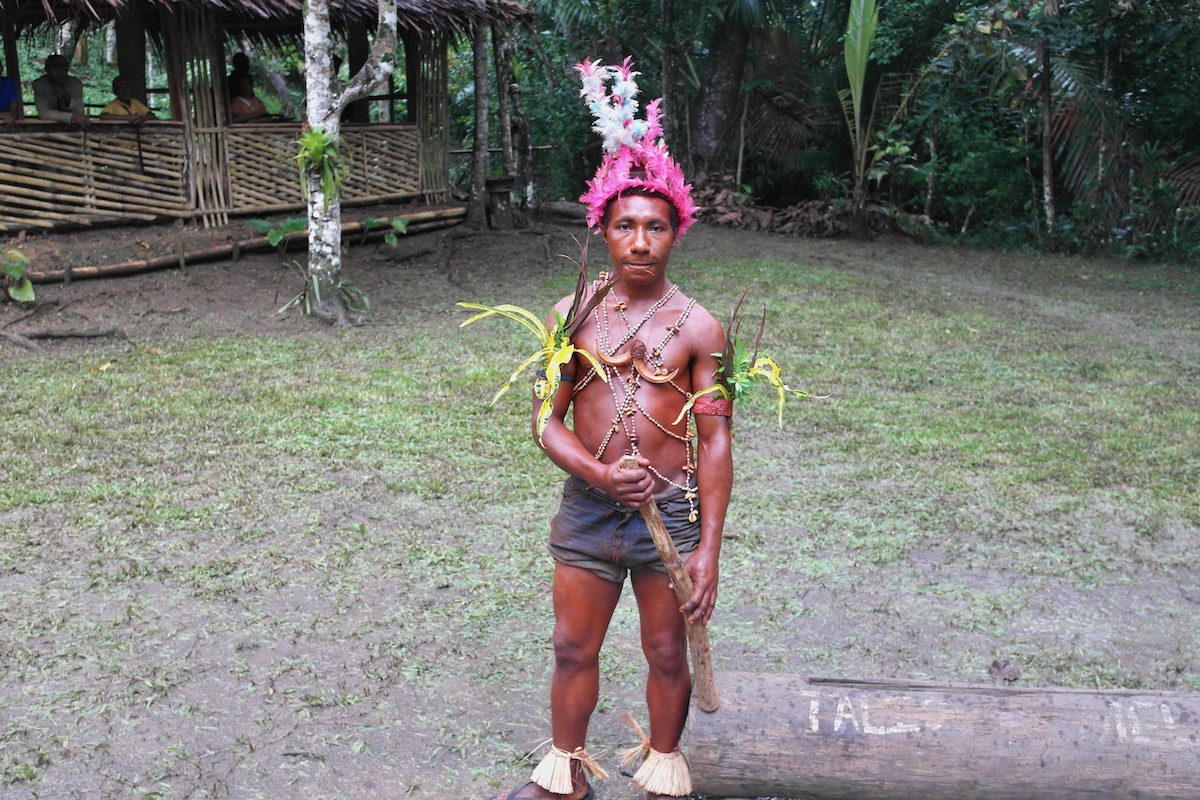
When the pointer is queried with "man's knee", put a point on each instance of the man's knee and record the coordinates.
(667, 655)
(575, 650)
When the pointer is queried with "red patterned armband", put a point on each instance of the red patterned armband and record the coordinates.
(713, 406)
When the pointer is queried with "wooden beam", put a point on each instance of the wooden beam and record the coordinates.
(831, 739)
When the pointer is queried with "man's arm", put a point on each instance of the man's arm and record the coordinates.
(714, 480)
(76, 90)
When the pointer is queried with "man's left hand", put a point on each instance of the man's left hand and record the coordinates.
(699, 607)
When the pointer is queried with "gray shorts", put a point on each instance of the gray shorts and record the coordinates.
(593, 531)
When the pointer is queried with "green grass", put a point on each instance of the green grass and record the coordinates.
(246, 544)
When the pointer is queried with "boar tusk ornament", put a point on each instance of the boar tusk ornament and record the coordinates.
(637, 355)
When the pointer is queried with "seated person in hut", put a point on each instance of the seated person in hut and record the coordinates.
(126, 107)
(245, 106)
(240, 67)
(59, 96)
(10, 98)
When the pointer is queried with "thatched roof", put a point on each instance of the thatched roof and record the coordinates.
(455, 16)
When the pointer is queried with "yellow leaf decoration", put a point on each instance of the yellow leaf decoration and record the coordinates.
(554, 351)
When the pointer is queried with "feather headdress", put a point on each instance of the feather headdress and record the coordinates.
(634, 151)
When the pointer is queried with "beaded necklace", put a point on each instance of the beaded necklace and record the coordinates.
(625, 400)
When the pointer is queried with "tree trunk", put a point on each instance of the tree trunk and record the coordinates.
(501, 58)
(324, 114)
(525, 140)
(69, 34)
(476, 210)
(832, 739)
(859, 229)
(1051, 9)
(501, 203)
(324, 213)
(716, 113)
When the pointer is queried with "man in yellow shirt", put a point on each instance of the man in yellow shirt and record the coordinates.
(126, 107)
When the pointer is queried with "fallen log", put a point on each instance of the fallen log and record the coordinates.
(418, 222)
(835, 739)
(74, 333)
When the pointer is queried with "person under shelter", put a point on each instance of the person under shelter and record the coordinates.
(58, 95)
(657, 348)
(11, 105)
(125, 107)
(245, 106)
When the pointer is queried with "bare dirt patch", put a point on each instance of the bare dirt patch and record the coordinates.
(276, 688)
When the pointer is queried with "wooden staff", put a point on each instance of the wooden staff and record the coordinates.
(681, 581)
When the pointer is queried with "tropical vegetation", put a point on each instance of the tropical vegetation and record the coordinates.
(1014, 124)
(1047, 124)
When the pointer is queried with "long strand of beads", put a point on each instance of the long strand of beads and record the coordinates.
(631, 330)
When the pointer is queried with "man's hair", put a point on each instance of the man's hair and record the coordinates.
(56, 60)
(641, 191)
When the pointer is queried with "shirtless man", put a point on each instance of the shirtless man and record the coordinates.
(598, 536)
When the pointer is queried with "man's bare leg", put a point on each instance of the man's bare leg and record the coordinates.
(664, 641)
(583, 607)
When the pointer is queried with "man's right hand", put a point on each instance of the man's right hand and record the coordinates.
(80, 119)
(632, 486)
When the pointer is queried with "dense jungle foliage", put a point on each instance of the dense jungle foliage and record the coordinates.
(1015, 124)
(959, 99)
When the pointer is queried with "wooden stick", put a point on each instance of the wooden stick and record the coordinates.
(697, 633)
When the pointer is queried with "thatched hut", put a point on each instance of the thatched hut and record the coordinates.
(196, 165)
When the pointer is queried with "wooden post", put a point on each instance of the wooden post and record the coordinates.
(131, 50)
(835, 739)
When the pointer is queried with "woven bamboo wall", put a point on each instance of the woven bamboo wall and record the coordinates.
(51, 177)
(433, 115)
(58, 178)
(384, 165)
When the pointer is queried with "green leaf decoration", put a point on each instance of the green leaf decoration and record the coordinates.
(322, 154)
(740, 369)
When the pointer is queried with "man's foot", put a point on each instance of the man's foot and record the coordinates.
(531, 791)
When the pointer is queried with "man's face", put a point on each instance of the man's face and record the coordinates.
(124, 91)
(639, 237)
(57, 72)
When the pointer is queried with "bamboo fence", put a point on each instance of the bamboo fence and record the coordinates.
(384, 165)
(51, 177)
